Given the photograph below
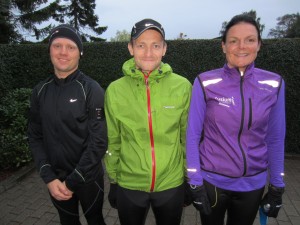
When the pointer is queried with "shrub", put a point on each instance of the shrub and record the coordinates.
(14, 151)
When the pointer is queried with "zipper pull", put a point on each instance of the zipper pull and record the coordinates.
(146, 76)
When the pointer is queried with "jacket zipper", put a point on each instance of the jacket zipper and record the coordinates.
(57, 97)
(151, 133)
(242, 121)
(250, 114)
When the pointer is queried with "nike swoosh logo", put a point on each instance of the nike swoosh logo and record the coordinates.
(73, 100)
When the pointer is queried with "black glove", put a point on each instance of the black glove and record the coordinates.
(187, 194)
(274, 199)
(112, 195)
(200, 199)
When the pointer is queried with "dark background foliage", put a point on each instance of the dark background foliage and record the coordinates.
(23, 66)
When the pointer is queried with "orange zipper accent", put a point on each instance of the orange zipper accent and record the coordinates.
(151, 133)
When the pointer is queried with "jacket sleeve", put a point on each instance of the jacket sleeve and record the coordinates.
(114, 140)
(90, 159)
(275, 139)
(35, 138)
(184, 116)
(193, 135)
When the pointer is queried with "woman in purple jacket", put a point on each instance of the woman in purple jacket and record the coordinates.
(235, 134)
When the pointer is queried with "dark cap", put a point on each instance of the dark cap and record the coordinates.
(144, 25)
(66, 31)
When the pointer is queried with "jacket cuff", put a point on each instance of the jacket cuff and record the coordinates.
(47, 174)
(74, 180)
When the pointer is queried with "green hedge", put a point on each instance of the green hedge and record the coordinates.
(14, 150)
(23, 66)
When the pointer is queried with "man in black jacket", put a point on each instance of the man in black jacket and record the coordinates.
(67, 132)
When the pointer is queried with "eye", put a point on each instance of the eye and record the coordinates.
(251, 40)
(156, 46)
(140, 46)
(232, 41)
(71, 47)
(56, 46)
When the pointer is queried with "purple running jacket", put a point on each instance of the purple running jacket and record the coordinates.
(236, 129)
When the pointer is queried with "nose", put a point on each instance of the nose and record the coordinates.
(148, 51)
(63, 50)
(241, 44)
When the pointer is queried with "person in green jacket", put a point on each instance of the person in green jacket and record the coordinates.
(146, 113)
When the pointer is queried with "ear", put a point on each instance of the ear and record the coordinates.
(130, 48)
(259, 45)
(165, 49)
(223, 47)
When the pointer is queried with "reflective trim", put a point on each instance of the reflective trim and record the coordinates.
(272, 83)
(43, 167)
(80, 175)
(82, 89)
(209, 82)
(43, 87)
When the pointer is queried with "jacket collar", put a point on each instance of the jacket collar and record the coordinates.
(236, 72)
(129, 69)
(68, 79)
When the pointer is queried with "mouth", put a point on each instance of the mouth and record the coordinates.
(241, 54)
(148, 60)
(63, 60)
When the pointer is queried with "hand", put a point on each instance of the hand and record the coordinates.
(68, 188)
(59, 190)
(274, 199)
(187, 194)
(112, 195)
(200, 199)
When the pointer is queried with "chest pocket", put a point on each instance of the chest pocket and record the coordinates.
(74, 108)
(168, 111)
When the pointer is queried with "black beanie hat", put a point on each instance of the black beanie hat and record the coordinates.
(66, 31)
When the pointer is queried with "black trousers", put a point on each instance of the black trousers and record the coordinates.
(90, 197)
(133, 206)
(241, 207)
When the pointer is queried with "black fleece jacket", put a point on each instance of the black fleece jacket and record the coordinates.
(67, 129)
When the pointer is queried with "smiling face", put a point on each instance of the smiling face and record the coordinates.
(148, 50)
(241, 46)
(65, 56)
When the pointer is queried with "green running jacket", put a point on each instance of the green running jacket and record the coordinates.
(147, 119)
